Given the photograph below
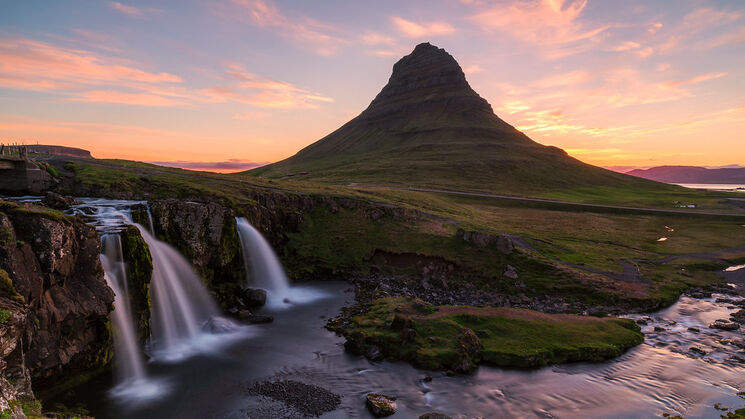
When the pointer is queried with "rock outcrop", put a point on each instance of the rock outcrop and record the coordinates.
(52, 273)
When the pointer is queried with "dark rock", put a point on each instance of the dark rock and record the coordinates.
(57, 201)
(434, 415)
(373, 353)
(659, 329)
(469, 351)
(254, 297)
(408, 335)
(642, 322)
(510, 272)
(308, 399)
(693, 329)
(505, 245)
(401, 322)
(740, 343)
(427, 379)
(697, 351)
(381, 405)
(738, 316)
(53, 265)
(723, 324)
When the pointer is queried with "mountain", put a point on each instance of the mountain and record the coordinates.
(429, 128)
(691, 174)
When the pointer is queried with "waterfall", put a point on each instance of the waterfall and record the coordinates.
(262, 265)
(130, 365)
(181, 305)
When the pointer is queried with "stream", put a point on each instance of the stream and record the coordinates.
(663, 375)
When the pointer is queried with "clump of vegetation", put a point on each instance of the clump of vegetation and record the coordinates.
(7, 289)
(444, 337)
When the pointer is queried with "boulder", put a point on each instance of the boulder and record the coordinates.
(510, 272)
(381, 405)
(408, 335)
(254, 297)
(505, 244)
(57, 201)
(738, 316)
(723, 324)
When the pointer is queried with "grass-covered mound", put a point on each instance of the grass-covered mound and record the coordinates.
(460, 337)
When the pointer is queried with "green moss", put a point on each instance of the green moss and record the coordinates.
(4, 315)
(508, 337)
(30, 406)
(7, 289)
(139, 271)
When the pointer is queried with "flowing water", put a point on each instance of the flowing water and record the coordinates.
(263, 270)
(683, 367)
(184, 318)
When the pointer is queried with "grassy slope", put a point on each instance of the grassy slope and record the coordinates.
(508, 337)
(347, 240)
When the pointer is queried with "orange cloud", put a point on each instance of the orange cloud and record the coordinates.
(419, 30)
(111, 96)
(263, 92)
(265, 14)
(33, 65)
(693, 80)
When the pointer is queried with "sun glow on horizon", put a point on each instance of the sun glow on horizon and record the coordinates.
(645, 84)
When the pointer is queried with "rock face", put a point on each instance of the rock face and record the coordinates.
(53, 272)
(206, 235)
(15, 381)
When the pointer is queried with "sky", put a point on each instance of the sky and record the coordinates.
(230, 84)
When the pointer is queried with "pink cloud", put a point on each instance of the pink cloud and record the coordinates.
(540, 22)
(263, 92)
(29, 64)
(692, 80)
(125, 98)
(265, 14)
(419, 30)
(127, 10)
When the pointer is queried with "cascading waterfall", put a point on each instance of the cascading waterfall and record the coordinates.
(262, 265)
(263, 270)
(181, 306)
(130, 364)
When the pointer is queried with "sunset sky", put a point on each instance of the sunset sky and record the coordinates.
(227, 84)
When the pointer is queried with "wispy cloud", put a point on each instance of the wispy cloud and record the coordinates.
(692, 80)
(553, 24)
(423, 29)
(32, 65)
(127, 10)
(263, 13)
(263, 92)
(473, 69)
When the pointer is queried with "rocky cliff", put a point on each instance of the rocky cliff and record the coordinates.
(53, 287)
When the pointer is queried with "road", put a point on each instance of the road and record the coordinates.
(556, 202)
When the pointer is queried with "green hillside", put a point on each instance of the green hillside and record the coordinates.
(428, 128)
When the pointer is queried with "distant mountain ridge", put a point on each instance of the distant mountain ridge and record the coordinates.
(428, 128)
(691, 174)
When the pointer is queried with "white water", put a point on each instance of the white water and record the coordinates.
(131, 365)
(183, 314)
(263, 270)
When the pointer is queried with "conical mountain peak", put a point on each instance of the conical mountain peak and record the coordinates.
(429, 74)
